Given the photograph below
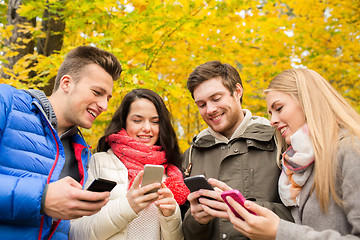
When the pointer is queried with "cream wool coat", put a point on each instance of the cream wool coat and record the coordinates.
(112, 221)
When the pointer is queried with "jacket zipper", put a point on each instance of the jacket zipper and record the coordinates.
(52, 168)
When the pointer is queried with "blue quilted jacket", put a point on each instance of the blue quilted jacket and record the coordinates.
(31, 155)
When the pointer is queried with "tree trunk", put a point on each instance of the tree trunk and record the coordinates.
(53, 25)
(21, 40)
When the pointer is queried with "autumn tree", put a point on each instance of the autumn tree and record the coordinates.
(160, 42)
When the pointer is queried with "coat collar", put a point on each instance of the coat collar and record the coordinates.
(256, 131)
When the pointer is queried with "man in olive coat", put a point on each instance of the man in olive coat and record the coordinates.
(237, 151)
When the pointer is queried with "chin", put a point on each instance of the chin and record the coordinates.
(86, 126)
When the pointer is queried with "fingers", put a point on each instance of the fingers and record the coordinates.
(71, 181)
(260, 211)
(199, 214)
(64, 200)
(143, 192)
(90, 196)
(167, 205)
(221, 185)
(211, 194)
(83, 208)
(214, 208)
(138, 197)
(192, 197)
(238, 208)
(238, 224)
(262, 226)
(165, 192)
(137, 180)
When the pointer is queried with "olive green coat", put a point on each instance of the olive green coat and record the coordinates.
(247, 163)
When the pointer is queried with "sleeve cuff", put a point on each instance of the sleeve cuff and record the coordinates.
(42, 209)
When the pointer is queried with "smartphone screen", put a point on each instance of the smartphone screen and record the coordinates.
(237, 196)
(101, 185)
(152, 174)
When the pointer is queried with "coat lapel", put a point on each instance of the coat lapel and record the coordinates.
(305, 193)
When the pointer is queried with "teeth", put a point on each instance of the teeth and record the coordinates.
(216, 118)
(92, 113)
(144, 137)
(283, 130)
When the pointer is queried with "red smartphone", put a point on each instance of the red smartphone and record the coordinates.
(237, 196)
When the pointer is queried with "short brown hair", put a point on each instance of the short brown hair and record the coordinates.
(78, 58)
(213, 69)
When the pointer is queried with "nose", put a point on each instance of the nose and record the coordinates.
(146, 126)
(274, 120)
(103, 104)
(211, 108)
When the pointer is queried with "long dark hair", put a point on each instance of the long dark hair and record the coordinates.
(167, 137)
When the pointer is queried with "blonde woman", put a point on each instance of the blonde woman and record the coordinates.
(321, 165)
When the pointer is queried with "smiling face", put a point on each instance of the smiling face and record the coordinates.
(86, 98)
(142, 122)
(220, 110)
(286, 113)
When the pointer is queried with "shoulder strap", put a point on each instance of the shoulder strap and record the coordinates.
(188, 169)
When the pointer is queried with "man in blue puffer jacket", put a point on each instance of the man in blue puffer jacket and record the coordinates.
(43, 157)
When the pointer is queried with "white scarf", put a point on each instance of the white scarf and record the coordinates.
(297, 164)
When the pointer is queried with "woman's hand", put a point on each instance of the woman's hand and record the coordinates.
(136, 196)
(166, 202)
(264, 226)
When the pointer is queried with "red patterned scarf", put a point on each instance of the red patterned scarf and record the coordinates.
(134, 155)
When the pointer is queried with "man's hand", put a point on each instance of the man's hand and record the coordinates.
(66, 200)
(197, 210)
(207, 209)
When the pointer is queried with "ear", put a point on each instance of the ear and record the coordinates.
(238, 91)
(66, 83)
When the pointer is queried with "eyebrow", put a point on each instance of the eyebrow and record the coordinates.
(272, 105)
(140, 116)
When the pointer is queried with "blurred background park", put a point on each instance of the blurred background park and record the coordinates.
(160, 42)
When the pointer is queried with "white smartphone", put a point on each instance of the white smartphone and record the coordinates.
(152, 174)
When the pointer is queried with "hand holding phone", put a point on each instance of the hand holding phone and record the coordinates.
(152, 174)
(237, 196)
(101, 185)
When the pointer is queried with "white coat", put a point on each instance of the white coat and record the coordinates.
(112, 220)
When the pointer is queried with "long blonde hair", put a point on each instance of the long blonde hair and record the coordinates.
(325, 111)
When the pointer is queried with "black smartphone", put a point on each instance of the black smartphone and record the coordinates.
(197, 182)
(101, 185)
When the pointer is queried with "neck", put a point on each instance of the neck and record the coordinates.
(231, 131)
(62, 126)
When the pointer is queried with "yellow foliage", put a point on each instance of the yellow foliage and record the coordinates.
(160, 42)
